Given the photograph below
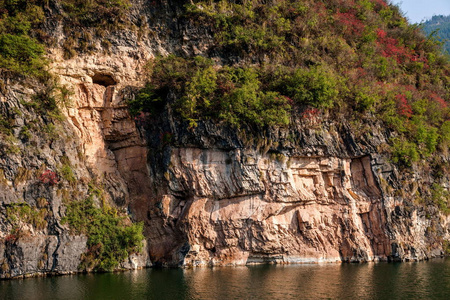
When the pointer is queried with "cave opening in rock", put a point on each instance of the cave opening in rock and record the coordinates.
(103, 79)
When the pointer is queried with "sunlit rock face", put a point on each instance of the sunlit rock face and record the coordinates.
(316, 196)
(247, 207)
(96, 138)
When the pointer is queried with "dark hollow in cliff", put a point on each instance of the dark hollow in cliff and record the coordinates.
(103, 79)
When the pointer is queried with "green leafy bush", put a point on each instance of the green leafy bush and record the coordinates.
(404, 153)
(67, 173)
(446, 247)
(6, 125)
(316, 86)
(440, 197)
(445, 130)
(243, 100)
(231, 94)
(110, 239)
(20, 53)
(23, 212)
(95, 12)
(44, 102)
(424, 135)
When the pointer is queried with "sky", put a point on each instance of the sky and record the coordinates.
(422, 10)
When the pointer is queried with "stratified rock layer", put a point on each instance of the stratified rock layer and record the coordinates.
(218, 200)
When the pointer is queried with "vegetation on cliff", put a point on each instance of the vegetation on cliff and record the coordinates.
(21, 52)
(357, 59)
(25, 34)
(110, 239)
(352, 58)
(23, 38)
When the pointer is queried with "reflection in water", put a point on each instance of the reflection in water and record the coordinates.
(424, 280)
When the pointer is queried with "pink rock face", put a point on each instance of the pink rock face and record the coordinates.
(245, 207)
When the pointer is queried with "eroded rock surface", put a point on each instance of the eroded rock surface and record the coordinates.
(323, 196)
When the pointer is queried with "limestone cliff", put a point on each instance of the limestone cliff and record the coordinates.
(300, 195)
(313, 191)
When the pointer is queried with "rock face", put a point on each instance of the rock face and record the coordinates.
(212, 195)
(31, 246)
(297, 196)
(96, 128)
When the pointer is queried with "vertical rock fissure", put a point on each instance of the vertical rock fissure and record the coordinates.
(57, 232)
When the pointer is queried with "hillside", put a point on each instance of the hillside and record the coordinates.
(440, 25)
(193, 133)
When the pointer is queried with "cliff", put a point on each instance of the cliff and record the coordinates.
(307, 194)
(320, 187)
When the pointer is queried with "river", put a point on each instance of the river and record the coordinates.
(412, 280)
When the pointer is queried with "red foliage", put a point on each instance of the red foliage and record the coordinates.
(390, 47)
(320, 9)
(289, 100)
(49, 177)
(403, 107)
(11, 238)
(310, 113)
(225, 87)
(292, 11)
(441, 102)
(361, 72)
(351, 24)
(381, 34)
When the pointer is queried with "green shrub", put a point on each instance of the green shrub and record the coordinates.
(404, 153)
(22, 212)
(25, 133)
(199, 91)
(440, 197)
(44, 102)
(232, 94)
(95, 12)
(366, 100)
(317, 86)
(446, 247)
(145, 101)
(445, 133)
(244, 101)
(21, 54)
(424, 135)
(67, 173)
(110, 239)
(5, 126)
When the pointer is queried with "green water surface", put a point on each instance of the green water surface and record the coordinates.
(416, 280)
